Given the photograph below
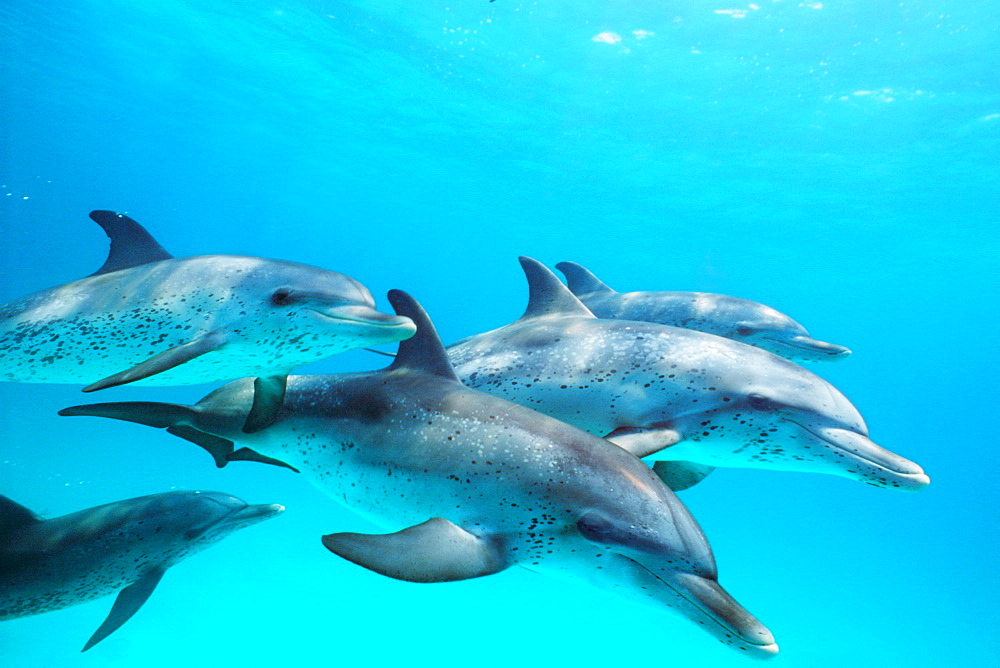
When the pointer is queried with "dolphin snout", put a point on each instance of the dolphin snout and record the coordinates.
(364, 315)
(251, 514)
(810, 349)
(723, 616)
(872, 463)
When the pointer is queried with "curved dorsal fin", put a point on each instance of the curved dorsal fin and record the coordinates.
(131, 244)
(547, 295)
(581, 281)
(423, 351)
(14, 516)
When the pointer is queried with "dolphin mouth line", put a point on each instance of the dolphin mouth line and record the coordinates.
(855, 455)
(812, 349)
(360, 321)
(698, 606)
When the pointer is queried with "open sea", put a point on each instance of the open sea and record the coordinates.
(837, 160)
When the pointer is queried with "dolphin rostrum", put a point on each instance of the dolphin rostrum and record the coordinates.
(480, 483)
(51, 564)
(695, 399)
(734, 318)
(150, 318)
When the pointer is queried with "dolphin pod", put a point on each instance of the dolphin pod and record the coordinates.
(479, 483)
(147, 317)
(480, 457)
(695, 399)
(732, 317)
(127, 545)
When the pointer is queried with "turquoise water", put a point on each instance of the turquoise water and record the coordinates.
(836, 160)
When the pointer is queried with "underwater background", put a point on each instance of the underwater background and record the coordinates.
(836, 160)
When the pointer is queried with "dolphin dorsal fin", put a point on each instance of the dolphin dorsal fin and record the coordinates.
(15, 516)
(581, 281)
(547, 296)
(131, 244)
(423, 351)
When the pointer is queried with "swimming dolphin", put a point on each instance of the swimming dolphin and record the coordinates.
(50, 564)
(695, 399)
(734, 318)
(147, 317)
(482, 484)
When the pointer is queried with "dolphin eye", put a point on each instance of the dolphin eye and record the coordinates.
(760, 402)
(744, 330)
(282, 297)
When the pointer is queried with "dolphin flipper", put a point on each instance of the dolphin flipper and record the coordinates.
(268, 396)
(644, 442)
(131, 244)
(681, 475)
(434, 551)
(164, 361)
(129, 600)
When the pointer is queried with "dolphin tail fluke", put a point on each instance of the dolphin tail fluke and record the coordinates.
(149, 413)
(679, 476)
(220, 448)
(581, 281)
(164, 361)
(248, 455)
(129, 600)
(434, 551)
(268, 396)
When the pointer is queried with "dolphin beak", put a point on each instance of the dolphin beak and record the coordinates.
(253, 514)
(365, 315)
(810, 349)
(722, 615)
(861, 459)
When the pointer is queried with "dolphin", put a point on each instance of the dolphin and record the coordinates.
(473, 483)
(694, 399)
(147, 317)
(51, 564)
(734, 318)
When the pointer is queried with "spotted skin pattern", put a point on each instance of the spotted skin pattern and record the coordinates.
(51, 564)
(403, 445)
(731, 404)
(735, 318)
(89, 329)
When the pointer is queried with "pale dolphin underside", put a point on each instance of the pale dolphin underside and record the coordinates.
(147, 317)
(732, 317)
(473, 484)
(127, 545)
(693, 400)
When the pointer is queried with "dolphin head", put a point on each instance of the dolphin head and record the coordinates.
(780, 412)
(773, 331)
(207, 517)
(666, 561)
(327, 307)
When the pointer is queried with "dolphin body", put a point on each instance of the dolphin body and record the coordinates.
(734, 318)
(696, 400)
(147, 317)
(480, 483)
(50, 564)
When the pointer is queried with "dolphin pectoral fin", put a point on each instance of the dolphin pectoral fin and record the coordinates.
(164, 361)
(644, 442)
(248, 455)
(129, 600)
(220, 448)
(681, 475)
(268, 395)
(434, 551)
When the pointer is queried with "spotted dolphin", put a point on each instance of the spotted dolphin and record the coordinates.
(128, 545)
(694, 399)
(480, 484)
(734, 318)
(147, 317)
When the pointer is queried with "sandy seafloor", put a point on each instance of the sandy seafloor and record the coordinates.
(837, 160)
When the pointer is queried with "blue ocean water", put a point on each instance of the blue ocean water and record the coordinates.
(837, 160)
